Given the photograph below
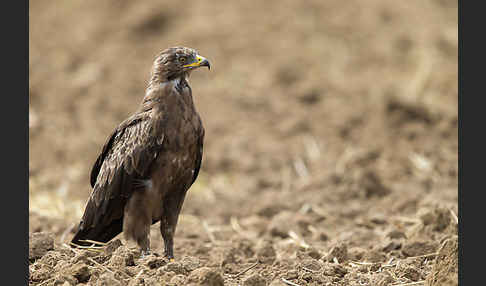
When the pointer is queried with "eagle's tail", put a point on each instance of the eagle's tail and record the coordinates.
(104, 234)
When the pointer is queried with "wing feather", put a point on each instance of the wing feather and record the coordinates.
(127, 156)
(199, 156)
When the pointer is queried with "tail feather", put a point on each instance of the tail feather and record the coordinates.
(103, 234)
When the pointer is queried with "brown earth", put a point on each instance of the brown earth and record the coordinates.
(331, 139)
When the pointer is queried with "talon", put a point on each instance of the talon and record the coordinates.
(171, 260)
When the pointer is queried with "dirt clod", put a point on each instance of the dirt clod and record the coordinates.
(39, 244)
(206, 276)
(445, 269)
(373, 185)
(81, 272)
(411, 273)
(392, 245)
(65, 279)
(340, 252)
(417, 248)
(396, 234)
(112, 246)
(122, 256)
(277, 282)
(178, 280)
(335, 270)
(175, 267)
(280, 224)
(108, 279)
(190, 263)
(266, 253)
(156, 262)
(255, 280)
(311, 264)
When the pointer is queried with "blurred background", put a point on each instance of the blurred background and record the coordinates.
(336, 117)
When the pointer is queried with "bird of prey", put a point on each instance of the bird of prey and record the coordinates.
(149, 161)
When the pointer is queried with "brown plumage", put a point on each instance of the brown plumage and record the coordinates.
(149, 161)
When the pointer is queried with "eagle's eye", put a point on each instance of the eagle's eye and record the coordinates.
(182, 59)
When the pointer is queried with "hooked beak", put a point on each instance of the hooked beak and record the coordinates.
(200, 62)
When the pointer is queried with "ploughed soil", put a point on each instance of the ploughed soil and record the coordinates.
(330, 155)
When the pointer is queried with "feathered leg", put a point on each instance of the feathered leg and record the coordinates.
(137, 221)
(168, 223)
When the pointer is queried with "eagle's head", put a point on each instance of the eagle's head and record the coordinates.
(176, 62)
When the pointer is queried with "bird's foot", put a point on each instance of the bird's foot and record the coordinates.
(145, 253)
(170, 257)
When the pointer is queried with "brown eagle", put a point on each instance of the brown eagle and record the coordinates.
(149, 161)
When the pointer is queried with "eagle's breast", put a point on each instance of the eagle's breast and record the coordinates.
(181, 144)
